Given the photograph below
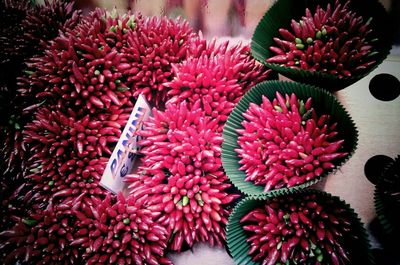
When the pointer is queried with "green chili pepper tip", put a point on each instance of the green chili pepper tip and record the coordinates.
(276, 107)
(185, 200)
(279, 245)
(298, 41)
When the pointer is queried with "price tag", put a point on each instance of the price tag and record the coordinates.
(123, 159)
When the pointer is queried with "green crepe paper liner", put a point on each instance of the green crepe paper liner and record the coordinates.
(323, 102)
(387, 210)
(283, 11)
(381, 212)
(239, 247)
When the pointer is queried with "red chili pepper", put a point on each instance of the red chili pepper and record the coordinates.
(295, 162)
(332, 156)
(79, 241)
(287, 35)
(303, 218)
(280, 59)
(334, 259)
(296, 28)
(273, 256)
(304, 244)
(284, 252)
(77, 72)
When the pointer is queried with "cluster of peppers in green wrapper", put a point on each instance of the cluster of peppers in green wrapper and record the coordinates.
(285, 143)
(334, 40)
(298, 229)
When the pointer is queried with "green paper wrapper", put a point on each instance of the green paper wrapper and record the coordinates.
(283, 11)
(239, 247)
(387, 205)
(323, 102)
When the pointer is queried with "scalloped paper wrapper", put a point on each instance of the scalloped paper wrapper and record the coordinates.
(381, 212)
(283, 11)
(323, 102)
(239, 247)
(387, 210)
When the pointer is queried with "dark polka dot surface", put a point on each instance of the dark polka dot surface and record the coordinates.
(374, 167)
(385, 87)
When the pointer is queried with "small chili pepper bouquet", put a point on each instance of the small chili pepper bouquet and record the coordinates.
(301, 227)
(329, 43)
(285, 135)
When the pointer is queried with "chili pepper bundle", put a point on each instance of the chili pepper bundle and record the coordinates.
(159, 43)
(57, 15)
(72, 131)
(334, 40)
(44, 237)
(194, 208)
(181, 159)
(23, 36)
(54, 132)
(69, 151)
(202, 78)
(48, 185)
(184, 133)
(290, 138)
(285, 13)
(22, 31)
(123, 231)
(54, 78)
(300, 229)
(14, 204)
(219, 76)
(83, 68)
(284, 143)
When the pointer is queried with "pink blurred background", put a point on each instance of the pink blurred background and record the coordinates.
(217, 18)
(234, 18)
(231, 18)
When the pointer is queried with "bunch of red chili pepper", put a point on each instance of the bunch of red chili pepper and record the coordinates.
(299, 229)
(285, 142)
(335, 41)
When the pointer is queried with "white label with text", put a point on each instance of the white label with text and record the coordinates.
(123, 158)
